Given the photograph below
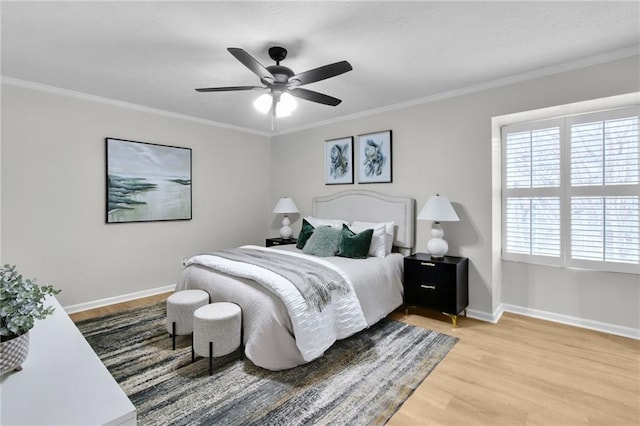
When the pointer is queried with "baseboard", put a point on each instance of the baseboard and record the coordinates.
(494, 317)
(72, 309)
(618, 330)
(485, 316)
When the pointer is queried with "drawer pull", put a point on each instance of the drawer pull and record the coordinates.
(275, 243)
(428, 287)
(427, 264)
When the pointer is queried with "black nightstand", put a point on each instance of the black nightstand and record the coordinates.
(279, 241)
(438, 284)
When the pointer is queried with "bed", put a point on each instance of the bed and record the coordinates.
(276, 336)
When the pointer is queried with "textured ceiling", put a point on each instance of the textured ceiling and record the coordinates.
(155, 54)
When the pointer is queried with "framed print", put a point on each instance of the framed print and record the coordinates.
(374, 157)
(338, 161)
(147, 182)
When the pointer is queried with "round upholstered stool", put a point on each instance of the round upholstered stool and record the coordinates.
(217, 331)
(180, 308)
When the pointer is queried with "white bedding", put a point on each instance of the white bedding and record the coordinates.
(315, 330)
(268, 329)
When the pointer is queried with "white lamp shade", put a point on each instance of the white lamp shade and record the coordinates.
(285, 205)
(286, 104)
(263, 103)
(438, 208)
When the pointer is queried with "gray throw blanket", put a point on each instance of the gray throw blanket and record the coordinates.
(314, 281)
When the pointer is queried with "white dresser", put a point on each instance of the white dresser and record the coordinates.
(63, 382)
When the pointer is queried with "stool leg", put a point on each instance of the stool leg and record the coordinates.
(241, 344)
(173, 334)
(193, 353)
(210, 358)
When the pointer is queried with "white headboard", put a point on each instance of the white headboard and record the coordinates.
(370, 206)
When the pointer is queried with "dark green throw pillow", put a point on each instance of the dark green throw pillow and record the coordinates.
(355, 246)
(305, 233)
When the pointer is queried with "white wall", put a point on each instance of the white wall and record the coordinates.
(1, 179)
(52, 169)
(445, 146)
(53, 195)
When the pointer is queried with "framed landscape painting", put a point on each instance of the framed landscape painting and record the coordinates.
(338, 161)
(374, 157)
(147, 182)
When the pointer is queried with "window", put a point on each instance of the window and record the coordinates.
(571, 190)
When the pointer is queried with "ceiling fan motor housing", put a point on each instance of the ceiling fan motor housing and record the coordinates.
(277, 53)
(281, 73)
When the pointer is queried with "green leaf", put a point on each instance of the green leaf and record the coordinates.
(22, 301)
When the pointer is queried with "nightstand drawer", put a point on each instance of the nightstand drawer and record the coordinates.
(431, 296)
(429, 275)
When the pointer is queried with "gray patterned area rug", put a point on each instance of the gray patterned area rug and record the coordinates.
(362, 380)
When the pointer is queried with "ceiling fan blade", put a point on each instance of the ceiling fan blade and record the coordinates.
(250, 62)
(310, 95)
(321, 73)
(229, 89)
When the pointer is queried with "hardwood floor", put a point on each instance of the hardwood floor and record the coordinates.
(521, 371)
(525, 371)
(106, 310)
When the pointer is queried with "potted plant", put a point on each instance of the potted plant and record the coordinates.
(21, 303)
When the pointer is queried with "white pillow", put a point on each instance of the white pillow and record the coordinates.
(334, 223)
(378, 240)
(389, 228)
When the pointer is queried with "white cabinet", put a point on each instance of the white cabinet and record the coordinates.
(63, 381)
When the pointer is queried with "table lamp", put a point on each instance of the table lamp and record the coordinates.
(439, 209)
(286, 205)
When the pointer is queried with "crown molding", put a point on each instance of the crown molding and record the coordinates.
(114, 102)
(501, 82)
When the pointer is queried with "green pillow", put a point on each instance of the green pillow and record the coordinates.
(355, 246)
(305, 233)
(323, 242)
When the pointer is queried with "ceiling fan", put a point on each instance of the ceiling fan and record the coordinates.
(282, 82)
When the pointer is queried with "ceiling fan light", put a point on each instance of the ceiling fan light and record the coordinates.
(285, 105)
(288, 101)
(282, 111)
(263, 103)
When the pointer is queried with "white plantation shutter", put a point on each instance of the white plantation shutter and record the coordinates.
(571, 191)
(605, 152)
(518, 229)
(533, 158)
(604, 229)
(531, 207)
(545, 226)
(605, 190)
(533, 226)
